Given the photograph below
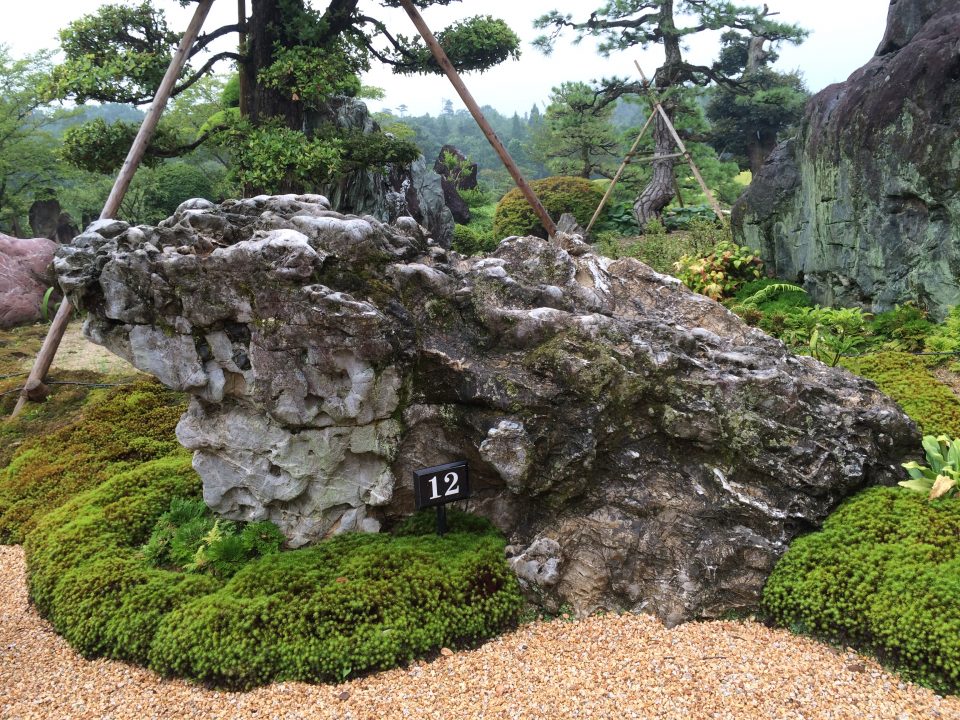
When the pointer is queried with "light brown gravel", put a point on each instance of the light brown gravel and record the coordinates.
(603, 667)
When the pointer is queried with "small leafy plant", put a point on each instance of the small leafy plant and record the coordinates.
(187, 537)
(942, 476)
(828, 333)
(722, 271)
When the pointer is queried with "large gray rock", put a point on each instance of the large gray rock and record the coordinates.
(25, 275)
(864, 207)
(641, 447)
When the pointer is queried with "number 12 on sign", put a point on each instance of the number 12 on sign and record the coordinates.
(441, 484)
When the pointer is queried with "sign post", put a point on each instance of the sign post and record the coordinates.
(438, 485)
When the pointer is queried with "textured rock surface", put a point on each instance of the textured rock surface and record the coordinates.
(864, 207)
(25, 275)
(641, 447)
(415, 190)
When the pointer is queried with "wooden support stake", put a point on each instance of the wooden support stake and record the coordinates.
(444, 62)
(58, 327)
(679, 142)
(616, 177)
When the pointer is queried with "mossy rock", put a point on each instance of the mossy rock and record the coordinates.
(559, 195)
(884, 574)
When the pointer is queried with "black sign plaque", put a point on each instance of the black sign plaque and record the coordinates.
(441, 484)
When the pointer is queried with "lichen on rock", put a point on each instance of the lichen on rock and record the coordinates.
(641, 447)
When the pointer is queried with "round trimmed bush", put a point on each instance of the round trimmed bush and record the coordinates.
(559, 195)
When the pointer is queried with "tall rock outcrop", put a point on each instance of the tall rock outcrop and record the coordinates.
(641, 446)
(414, 190)
(863, 207)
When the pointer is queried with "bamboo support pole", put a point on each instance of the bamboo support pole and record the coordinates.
(444, 62)
(58, 327)
(619, 173)
(679, 142)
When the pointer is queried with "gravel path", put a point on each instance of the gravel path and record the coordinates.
(604, 667)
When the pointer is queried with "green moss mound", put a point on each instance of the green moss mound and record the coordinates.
(348, 605)
(116, 430)
(908, 380)
(559, 195)
(884, 573)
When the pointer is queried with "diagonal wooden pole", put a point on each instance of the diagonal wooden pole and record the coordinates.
(683, 148)
(444, 62)
(33, 389)
(616, 177)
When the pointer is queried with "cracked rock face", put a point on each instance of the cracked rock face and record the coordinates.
(640, 446)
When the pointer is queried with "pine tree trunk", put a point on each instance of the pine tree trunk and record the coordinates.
(759, 148)
(660, 190)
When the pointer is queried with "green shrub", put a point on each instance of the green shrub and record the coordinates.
(559, 195)
(907, 379)
(720, 272)
(884, 573)
(827, 334)
(680, 218)
(117, 430)
(904, 328)
(946, 336)
(468, 240)
(618, 219)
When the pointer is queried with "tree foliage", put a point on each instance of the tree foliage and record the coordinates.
(297, 58)
(27, 159)
(577, 136)
(747, 121)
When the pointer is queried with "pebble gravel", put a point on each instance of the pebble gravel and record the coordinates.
(627, 666)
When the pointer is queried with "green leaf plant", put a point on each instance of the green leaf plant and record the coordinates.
(942, 477)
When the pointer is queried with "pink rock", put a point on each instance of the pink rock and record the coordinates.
(25, 275)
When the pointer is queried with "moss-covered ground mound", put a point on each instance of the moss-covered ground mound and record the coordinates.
(883, 573)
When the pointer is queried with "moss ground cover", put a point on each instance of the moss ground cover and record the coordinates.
(884, 573)
(908, 380)
(55, 457)
(350, 604)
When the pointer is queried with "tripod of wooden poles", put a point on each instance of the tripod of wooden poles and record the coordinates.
(656, 109)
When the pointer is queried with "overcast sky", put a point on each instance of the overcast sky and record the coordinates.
(844, 35)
